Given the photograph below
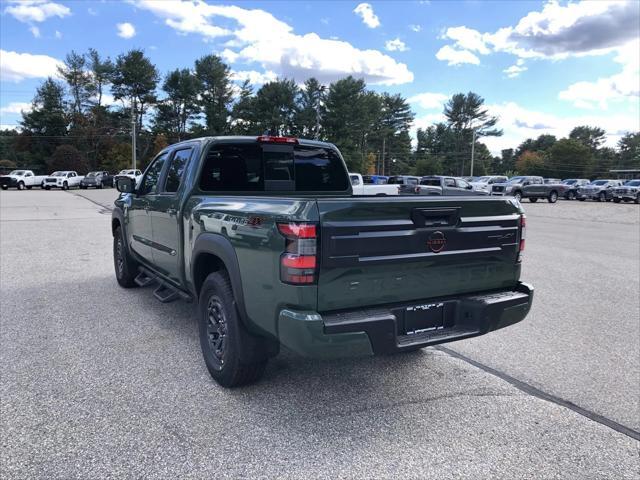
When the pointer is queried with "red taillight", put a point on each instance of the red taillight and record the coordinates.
(298, 264)
(270, 139)
(416, 190)
(523, 228)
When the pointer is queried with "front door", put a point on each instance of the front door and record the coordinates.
(139, 227)
(165, 216)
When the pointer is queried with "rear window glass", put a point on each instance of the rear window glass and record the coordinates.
(250, 167)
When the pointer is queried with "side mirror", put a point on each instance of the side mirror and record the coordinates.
(126, 185)
(469, 187)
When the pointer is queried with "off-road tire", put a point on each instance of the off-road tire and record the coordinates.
(533, 199)
(126, 267)
(223, 337)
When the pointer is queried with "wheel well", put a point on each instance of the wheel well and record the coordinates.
(552, 192)
(204, 264)
(115, 223)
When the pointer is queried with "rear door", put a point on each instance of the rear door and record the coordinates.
(381, 251)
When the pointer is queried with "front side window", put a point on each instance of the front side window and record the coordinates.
(449, 182)
(152, 176)
(176, 169)
(461, 183)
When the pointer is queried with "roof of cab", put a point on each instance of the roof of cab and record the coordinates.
(248, 139)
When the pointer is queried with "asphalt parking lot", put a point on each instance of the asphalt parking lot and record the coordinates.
(97, 381)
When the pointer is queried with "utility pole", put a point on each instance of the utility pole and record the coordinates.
(133, 133)
(473, 148)
(384, 142)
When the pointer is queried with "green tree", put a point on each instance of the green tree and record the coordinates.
(311, 109)
(242, 113)
(275, 107)
(67, 157)
(135, 80)
(118, 157)
(569, 158)
(102, 71)
(75, 73)
(394, 121)
(181, 104)
(591, 137)
(629, 151)
(464, 115)
(216, 94)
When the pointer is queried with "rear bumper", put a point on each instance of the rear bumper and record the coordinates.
(379, 330)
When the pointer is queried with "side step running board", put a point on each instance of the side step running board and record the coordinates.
(164, 291)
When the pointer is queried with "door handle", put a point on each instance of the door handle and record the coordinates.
(172, 212)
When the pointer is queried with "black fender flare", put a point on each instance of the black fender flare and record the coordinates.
(117, 215)
(220, 246)
(259, 345)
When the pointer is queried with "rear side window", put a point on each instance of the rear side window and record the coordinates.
(176, 169)
(255, 167)
(434, 182)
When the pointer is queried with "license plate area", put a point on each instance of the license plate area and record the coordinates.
(426, 317)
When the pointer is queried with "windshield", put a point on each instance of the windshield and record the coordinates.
(570, 181)
(516, 180)
(57, 174)
(483, 179)
(600, 182)
(396, 180)
(17, 172)
(93, 174)
(633, 183)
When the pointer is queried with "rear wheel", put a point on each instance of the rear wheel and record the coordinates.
(47, 188)
(582, 199)
(126, 267)
(533, 199)
(223, 338)
(553, 197)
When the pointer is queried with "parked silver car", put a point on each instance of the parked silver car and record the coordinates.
(629, 192)
(600, 190)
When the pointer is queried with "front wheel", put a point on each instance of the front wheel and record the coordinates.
(533, 199)
(126, 267)
(21, 186)
(637, 200)
(616, 200)
(47, 188)
(553, 197)
(602, 197)
(223, 338)
(571, 196)
(65, 186)
(518, 196)
(5, 187)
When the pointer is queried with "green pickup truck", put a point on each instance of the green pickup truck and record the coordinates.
(265, 235)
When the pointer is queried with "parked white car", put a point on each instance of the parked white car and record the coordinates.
(21, 179)
(483, 184)
(361, 188)
(63, 179)
(131, 173)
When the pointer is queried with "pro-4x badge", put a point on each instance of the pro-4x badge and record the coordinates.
(436, 242)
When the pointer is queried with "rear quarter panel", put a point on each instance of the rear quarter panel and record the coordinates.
(249, 224)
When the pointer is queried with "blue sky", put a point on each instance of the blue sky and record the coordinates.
(543, 67)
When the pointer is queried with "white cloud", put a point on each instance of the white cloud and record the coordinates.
(126, 30)
(92, 12)
(514, 70)
(35, 31)
(58, 34)
(369, 18)
(16, 66)
(16, 107)
(623, 86)
(259, 37)
(36, 10)
(395, 45)
(467, 39)
(456, 57)
(429, 100)
(415, 28)
(519, 123)
(255, 78)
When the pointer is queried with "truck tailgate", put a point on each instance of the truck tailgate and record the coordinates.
(388, 250)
